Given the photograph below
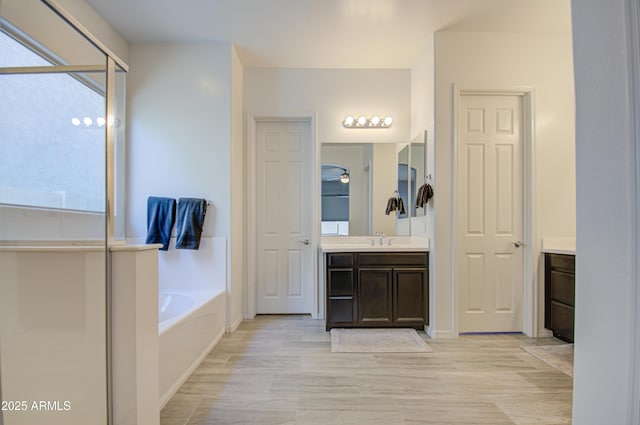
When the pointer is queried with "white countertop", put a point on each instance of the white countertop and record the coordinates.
(363, 244)
(88, 247)
(565, 246)
(54, 246)
(136, 247)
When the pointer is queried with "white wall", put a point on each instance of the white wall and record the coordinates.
(179, 130)
(501, 60)
(333, 94)
(180, 145)
(606, 326)
(184, 270)
(422, 92)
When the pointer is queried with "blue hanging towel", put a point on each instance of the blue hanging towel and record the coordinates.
(191, 212)
(161, 214)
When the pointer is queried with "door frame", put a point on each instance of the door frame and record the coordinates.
(530, 301)
(251, 198)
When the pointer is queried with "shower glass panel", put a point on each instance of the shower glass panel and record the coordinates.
(54, 120)
(52, 146)
(119, 154)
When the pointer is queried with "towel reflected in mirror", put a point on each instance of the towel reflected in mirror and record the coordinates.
(395, 203)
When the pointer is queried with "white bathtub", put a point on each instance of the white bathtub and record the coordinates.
(172, 307)
(190, 324)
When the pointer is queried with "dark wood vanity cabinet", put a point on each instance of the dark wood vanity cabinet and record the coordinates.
(377, 289)
(559, 285)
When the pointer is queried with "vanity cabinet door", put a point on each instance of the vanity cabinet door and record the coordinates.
(375, 294)
(409, 296)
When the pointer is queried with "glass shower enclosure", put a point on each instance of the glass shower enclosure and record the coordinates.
(61, 206)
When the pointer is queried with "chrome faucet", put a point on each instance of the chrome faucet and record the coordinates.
(382, 236)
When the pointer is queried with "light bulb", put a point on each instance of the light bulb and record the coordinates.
(388, 121)
(375, 121)
(362, 121)
(75, 121)
(87, 121)
(348, 121)
(100, 121)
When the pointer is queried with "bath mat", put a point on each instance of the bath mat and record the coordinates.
(377, 341)
(559, 356)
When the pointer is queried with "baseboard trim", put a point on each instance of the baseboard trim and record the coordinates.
(234, 325)
(436, 334)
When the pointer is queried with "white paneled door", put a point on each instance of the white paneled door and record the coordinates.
(489, 215)
(284, 255)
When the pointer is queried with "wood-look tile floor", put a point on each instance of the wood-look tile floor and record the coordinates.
(280, 370)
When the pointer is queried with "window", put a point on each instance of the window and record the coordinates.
(52, 134)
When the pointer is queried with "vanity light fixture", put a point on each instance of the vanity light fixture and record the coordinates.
(88, 122)
(364, 122)
(344, 177)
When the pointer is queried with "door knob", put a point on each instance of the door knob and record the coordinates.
(518, 244)
(304, 241)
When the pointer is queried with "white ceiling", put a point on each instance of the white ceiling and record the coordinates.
(327, 33)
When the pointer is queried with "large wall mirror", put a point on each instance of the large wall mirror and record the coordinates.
(360, 179)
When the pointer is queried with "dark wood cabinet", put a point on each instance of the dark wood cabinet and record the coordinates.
(559, 285)
(381, 289)
(375, 307)
(410, 295)
(341, 287)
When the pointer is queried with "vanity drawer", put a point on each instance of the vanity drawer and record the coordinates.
(340, 281)
(340, 260)
(562, 287)
(388, 259)
(340, 310)
(562, 262)
(562, 317)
